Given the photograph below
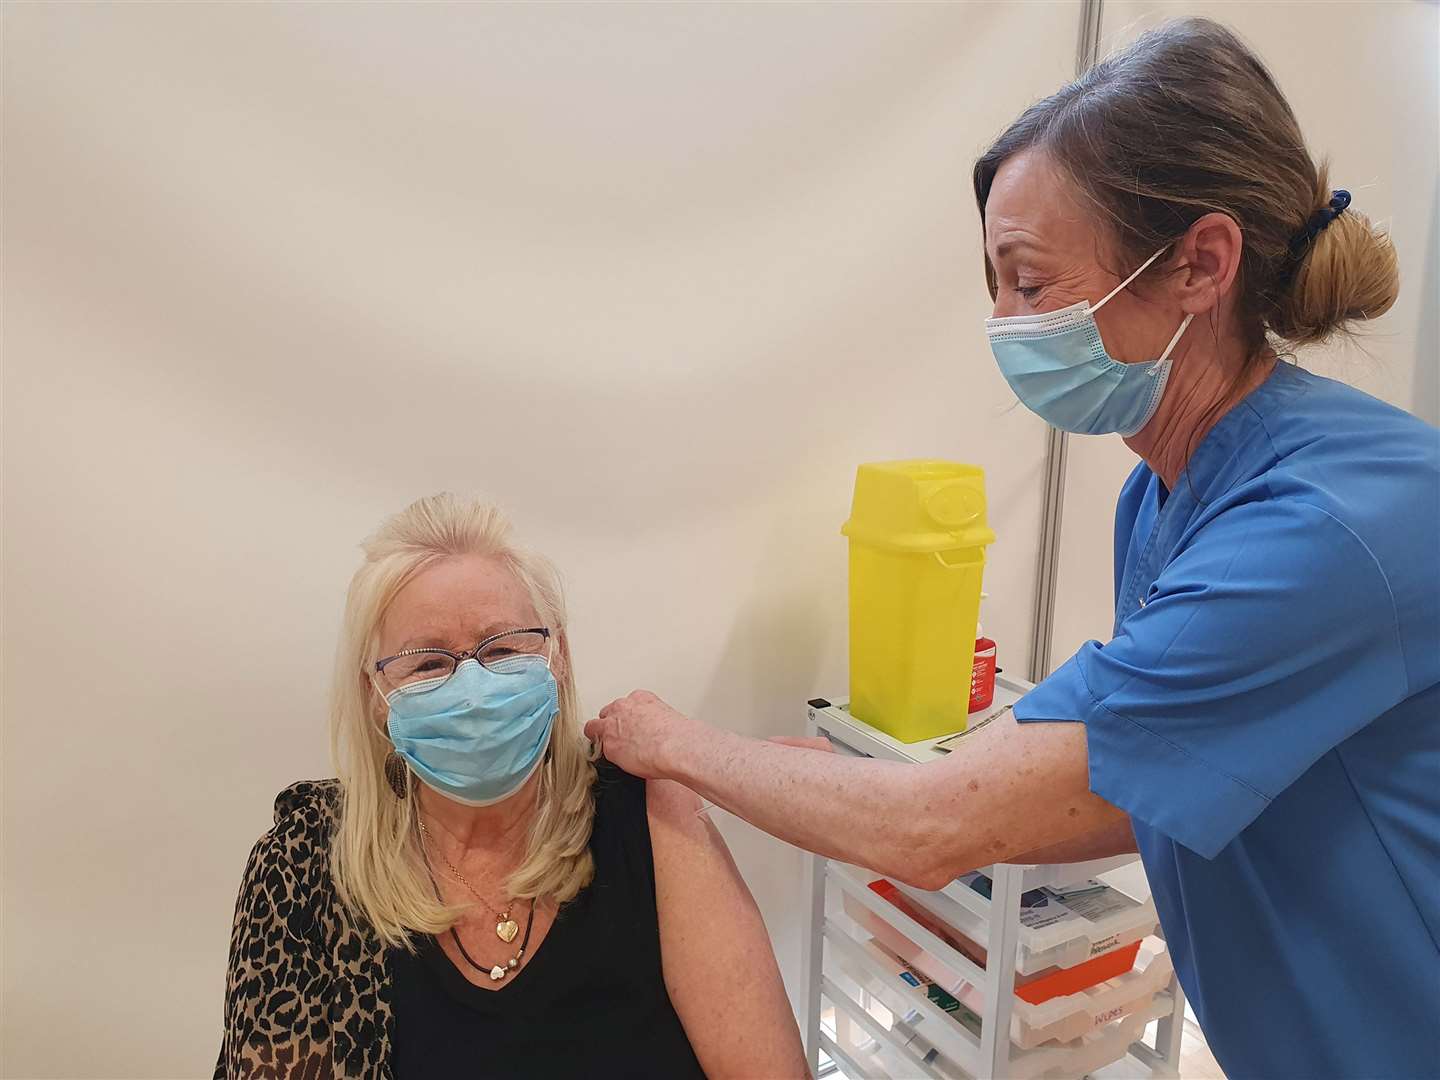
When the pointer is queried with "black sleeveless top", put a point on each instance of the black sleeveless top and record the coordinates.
(591, 1001)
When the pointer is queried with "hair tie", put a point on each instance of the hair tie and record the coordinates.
(1319, 222)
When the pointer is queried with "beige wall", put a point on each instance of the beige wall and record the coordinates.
(654, 277)
(1364, 80)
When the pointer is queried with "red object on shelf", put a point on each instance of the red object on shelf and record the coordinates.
(982, 675)
(1058, 981)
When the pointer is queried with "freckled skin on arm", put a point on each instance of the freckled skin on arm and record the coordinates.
(1116, 838)
(1012, 792)
(719, 966)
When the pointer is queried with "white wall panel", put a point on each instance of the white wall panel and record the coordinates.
(655, 277)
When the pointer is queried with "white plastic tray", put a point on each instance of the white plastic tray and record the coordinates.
(959, 1049)
(1068, 1016)
(952, 1039)
(864, 1056)
(884, 1047)
(1062, 944)
(1064, 1018)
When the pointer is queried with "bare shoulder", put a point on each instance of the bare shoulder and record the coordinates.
(671, 803)
(677, 827)
(679, 834)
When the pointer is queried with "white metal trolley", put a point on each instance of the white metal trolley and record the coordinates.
(839, 969)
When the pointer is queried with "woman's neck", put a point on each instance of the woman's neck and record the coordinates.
(1205, 383)
(486, 831)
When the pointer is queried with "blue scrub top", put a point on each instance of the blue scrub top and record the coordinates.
(1268, 713)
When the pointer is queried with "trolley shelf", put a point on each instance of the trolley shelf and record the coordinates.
(885, 1027)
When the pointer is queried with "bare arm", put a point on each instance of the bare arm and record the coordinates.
(1012, 789)
(1117, 838)
(719, 966)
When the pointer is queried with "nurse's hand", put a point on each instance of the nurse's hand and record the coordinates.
(643, 735)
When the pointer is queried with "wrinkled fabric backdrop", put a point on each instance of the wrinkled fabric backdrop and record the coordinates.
(655, 278)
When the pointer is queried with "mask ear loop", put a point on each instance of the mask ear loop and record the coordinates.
(550, 743)
(1111, 294)
(393, 768)
(1184, 323)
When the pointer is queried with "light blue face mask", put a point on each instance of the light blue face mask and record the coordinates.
(1058, 367)
(479, 735)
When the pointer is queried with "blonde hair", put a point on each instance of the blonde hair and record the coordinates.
(375, 857)
(1349, 272)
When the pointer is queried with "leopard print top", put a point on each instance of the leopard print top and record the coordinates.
(307, 993)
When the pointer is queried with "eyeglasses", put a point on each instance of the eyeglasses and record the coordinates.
(425, 669)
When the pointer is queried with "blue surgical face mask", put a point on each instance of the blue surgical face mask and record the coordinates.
(1058, 367)
(477, 736)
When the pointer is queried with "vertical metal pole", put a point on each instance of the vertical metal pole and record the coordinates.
(1087, 45)
(812, 955)
(1087, 48)
(812, 944)
(1048, 564)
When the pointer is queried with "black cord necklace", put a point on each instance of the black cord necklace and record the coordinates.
(499, 971)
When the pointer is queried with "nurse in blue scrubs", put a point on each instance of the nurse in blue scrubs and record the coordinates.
(1263, 725)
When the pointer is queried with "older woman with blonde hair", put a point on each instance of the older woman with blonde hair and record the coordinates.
(473, 894)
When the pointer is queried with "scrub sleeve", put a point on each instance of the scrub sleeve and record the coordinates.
(1270, 639)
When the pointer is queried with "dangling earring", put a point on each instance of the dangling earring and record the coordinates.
(397, 775)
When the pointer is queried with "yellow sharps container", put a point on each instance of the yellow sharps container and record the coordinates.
(917, 534)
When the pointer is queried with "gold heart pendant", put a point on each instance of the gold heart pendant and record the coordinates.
(506, 930)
